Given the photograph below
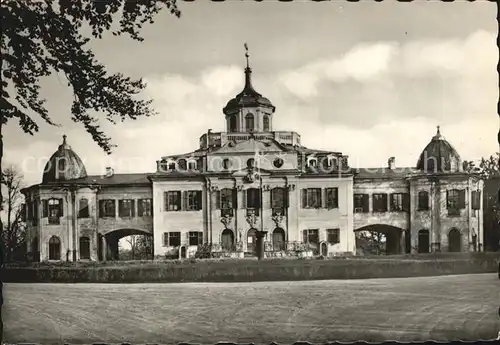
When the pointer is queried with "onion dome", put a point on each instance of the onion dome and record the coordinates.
(439, 156)
(64, 165)
(248, 97)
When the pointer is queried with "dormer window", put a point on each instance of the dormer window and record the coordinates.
(171, 166)
(249, 122)
(181, 164)
(312, 162)
(192, 165)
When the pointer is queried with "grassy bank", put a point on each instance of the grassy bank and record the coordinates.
(245, 270)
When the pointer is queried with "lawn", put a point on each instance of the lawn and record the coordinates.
(439, 308)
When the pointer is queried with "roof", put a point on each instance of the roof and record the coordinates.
(248, 97)
(383, 173)
(439, 156)
(63, 165)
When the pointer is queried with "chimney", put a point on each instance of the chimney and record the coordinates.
(391, 162)
(109, 171)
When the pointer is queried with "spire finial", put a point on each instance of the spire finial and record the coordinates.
(438, 132)
(64, 138)
(247, 55)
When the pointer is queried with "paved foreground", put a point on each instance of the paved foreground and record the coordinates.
(440, 308)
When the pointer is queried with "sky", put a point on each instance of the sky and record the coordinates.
(371, 80)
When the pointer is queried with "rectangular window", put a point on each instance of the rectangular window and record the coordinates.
(253, 201)
(361, 203)
(423, 201)
(278, 200)
(173, 201)
(83, 208)
(455, 201)
(144, 207)
(311, 198)
(399, 202)
(476, 200)
(332, 198)
(126, 208)
(226, 201)
(54, 210)
(311, 236)
(171, 239)
(107, 208)
(195, 238)
(380, 202)
(333, 236)
(193, 200)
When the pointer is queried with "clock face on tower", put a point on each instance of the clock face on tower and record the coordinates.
(278, 163)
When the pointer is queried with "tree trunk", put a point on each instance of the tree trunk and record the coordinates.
(1, 194)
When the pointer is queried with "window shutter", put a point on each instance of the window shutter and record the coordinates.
(45, 208)
(151, 208)
(366, 203)
(235, 197)
(165, 200)
(286, 197)
(244, 201)
(461, 199)
(165, 237)
(133, 208)
(272, 196)
(184, 200)
(406, 202)
(476, 200)
(61, 208)
(304, 236)
(199, 199)
(324, 196)
(217, 196)
(140, 207)
(303, 196)
(320, 195)
(447, 199)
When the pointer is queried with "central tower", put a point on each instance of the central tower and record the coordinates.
(249, 111)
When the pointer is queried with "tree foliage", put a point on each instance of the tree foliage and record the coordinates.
(487, 167)
(14, 227)
(44, 37)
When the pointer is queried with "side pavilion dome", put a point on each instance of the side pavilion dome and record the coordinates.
(63, 165)
(439, 156)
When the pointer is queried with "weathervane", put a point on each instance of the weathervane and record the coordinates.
(246, 54)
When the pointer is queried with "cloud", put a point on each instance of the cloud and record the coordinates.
(377, 100)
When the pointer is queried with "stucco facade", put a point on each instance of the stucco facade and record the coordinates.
(251, 178)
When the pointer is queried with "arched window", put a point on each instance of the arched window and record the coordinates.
(192, 165)
(249, 122)
(266, 123)
(61, 164)
(83, 208)
(250, 163)
(84, 247)
(54, 248)
(233, 123)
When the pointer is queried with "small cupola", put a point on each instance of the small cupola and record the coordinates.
(63, 165)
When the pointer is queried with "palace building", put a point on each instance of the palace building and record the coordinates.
(252, 178)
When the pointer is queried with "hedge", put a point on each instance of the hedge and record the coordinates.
(241, 270)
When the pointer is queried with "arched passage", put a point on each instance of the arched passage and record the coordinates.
(423, 241)
(278, 239)
(380, 239)
(54, 248)
(139, 243)
(454, 240)
(84, 245)
(227, 240)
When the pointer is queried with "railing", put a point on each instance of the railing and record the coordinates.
(222, 138)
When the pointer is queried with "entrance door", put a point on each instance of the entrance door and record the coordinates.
(251, 241)
(183, 252)
(84, 248)
(278, 239)
(324, 249)
(423, 241)
(227, 240)
(454, 241)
